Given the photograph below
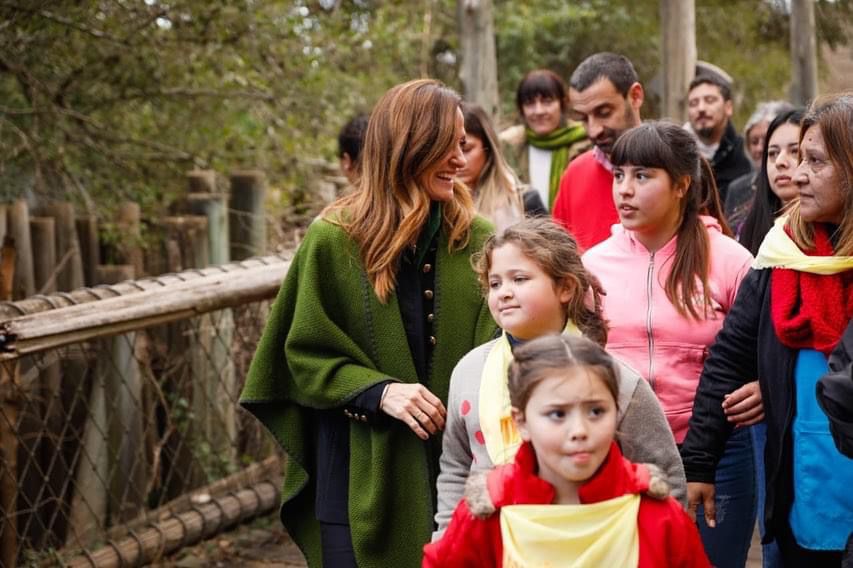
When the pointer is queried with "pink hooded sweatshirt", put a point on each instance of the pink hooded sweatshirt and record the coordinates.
(646, 331)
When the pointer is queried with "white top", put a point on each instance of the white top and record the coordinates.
(540, 172)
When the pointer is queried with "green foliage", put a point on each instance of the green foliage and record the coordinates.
(103, 100)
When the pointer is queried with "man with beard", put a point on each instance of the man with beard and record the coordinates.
(605, 95)
(709, 112)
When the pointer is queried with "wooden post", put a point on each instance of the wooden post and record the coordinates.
(70, 269)
(129, 222)
(678, 27)
(23, 285)
(9, 402)
(189, 343)
(90, 249)
(201, 181)
(803, 52)
(479, 68)
(49, 409)
(111, 442)
(247, 223)
(43, 234)
(216, 334)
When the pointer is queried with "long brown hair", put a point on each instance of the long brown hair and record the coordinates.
(410, 129)
(556, 252)
(665, 145)
(834, 115)
(497, 186)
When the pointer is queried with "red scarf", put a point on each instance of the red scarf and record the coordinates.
(811, 311)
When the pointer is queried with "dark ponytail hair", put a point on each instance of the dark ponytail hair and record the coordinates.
(766, 205)
(665, 145)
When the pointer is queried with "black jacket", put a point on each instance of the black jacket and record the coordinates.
(730, 161)
(747, 348)
(835, 393)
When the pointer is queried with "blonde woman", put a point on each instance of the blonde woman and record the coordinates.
(352, 372)
(498, 195)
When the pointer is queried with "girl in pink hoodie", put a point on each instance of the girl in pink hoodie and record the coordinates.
(670, 274)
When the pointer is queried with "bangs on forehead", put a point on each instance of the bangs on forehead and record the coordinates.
(641, 146)
(539, 85)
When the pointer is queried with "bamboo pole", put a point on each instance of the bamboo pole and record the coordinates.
(9, 404)
(247, 223)
(185, 529)
(23, 285)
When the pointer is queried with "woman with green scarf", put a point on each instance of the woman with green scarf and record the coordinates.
(542, 147)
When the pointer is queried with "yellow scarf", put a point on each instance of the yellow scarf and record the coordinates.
(501, 437)
(577, 536)
(778, 250)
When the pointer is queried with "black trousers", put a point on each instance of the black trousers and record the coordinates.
(336, 542)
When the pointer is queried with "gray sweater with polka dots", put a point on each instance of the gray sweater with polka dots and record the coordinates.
(642, 432)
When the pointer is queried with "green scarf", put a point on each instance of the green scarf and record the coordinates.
(559, 141)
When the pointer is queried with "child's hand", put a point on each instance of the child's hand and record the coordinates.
(702, 494)
(413, 404)
(743, 406)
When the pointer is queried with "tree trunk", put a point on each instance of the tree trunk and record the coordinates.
(803, 52)
(678, 27)
(479, 68)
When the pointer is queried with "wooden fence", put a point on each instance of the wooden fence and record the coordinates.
(120, 435)
(49, 247)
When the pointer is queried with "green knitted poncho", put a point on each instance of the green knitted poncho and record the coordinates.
(328, 338)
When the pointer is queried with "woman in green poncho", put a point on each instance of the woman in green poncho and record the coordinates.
(540, 149)
(380, 302)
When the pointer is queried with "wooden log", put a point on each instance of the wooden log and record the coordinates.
(9, 404)
(23, 285)
(186, 529)
(90, 249)
(268, 469)
(87, 295)
(129, 221)
(73, 324)
(247, 223)
(70, 263)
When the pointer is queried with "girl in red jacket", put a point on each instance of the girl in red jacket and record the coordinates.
(569, 498)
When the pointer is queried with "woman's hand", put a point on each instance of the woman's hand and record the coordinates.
(702, 494)
(743, 406)
(413, 404)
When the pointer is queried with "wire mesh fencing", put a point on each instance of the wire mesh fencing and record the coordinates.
(108, 428)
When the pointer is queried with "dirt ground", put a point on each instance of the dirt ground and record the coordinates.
(264, 543)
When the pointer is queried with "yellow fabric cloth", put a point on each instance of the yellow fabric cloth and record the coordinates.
(778, 250)
(577, 536)
(499, 432)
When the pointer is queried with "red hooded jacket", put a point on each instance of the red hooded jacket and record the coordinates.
(668, 538)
